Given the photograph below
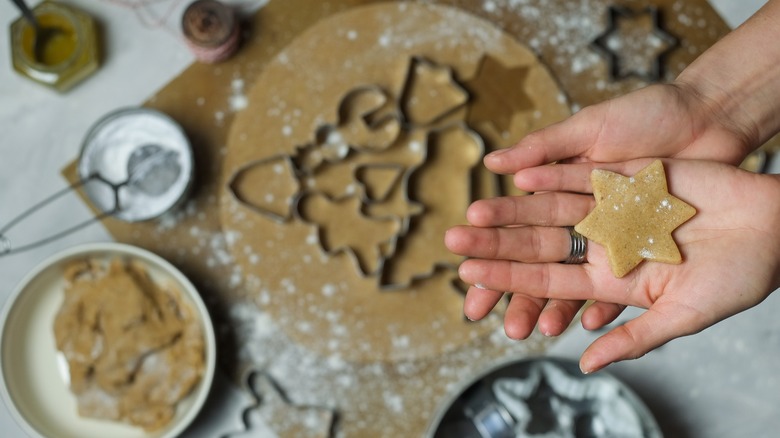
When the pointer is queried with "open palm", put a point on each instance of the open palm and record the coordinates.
(730, 249)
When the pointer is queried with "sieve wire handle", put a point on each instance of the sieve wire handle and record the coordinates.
(6, 245)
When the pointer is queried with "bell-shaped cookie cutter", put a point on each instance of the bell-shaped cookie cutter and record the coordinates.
(410, 82)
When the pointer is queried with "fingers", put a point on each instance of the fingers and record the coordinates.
(479, 302)
(540, 280)
(599, 314)
(639, 336)
(523, 312)
(556, 177)
(570, 177)
(557, 315)
(525, 244)
(544, 209)
(521, 316)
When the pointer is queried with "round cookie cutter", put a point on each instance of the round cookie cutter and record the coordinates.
(135, 164)
(543, 397)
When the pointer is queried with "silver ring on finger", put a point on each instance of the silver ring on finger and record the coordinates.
(578, 249)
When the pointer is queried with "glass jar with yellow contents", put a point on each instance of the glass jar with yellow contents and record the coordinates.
(62, 51)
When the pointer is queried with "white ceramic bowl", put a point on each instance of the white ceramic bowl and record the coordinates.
(31, 379)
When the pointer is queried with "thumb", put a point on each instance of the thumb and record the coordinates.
(562, 140)
(638, 336)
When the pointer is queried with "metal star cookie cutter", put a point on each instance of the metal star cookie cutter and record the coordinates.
(601, 43)
(338, 232)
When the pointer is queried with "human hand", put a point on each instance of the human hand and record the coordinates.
(665, 120)
(730, 250)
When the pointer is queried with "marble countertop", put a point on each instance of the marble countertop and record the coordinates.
(720, 383)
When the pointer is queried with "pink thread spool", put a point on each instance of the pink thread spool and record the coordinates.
(211, 30)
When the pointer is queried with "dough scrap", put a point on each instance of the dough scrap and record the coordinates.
(134, 348)
(634, 218)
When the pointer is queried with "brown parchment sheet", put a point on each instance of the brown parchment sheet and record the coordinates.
(414, 313)
(393, 391)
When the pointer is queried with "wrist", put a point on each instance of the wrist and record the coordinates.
(737, 81)
(713, 115)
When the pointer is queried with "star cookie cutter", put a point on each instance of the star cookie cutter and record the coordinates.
(343, 228)
(602, 43)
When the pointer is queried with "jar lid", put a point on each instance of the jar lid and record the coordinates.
(208, 23)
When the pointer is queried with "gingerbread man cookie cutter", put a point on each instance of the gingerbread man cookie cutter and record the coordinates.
(262, 416)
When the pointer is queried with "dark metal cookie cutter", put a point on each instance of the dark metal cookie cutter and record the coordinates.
(600, 43)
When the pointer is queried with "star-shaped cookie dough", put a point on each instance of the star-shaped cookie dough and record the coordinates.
(634, 218)
(497, 94)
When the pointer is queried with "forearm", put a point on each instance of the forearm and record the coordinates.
(737, 80)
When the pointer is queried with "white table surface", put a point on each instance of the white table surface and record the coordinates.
(720, 383)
